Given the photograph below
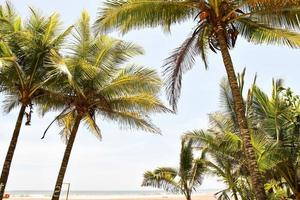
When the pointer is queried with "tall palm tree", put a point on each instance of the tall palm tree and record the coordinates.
(25, 50)
(183, 180)
(218, 24)
(95, 79)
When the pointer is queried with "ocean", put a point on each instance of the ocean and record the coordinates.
(97, 194)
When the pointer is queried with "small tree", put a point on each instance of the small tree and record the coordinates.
(184, 180)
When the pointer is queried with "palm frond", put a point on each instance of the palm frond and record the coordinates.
(91, 124)
(162, 178)
(259, 33)
(181, 60)
(130, 14)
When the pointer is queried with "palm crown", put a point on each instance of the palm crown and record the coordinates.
(95, 79)
(258, 21)
(26, 53)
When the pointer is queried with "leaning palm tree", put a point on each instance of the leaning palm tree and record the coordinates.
(26, 51)
(184, 180)
(95, 79)
(218, 24)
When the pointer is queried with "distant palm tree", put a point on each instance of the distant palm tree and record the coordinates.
(95, 79)
(184, 180)
(226, 159)
(218, 24)
(25, 51)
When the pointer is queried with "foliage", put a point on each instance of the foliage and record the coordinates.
(258, 21)
(184, 180)
(27, 50)
(274, 125)
(95, 78)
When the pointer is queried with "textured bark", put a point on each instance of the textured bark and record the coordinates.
(10, 152)
(239, 107)
(65, 161)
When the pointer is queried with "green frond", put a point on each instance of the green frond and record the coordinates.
(221, 123)
(66, 121)
(133, 79)
(51, 27)
(132, 120)
(107, 52)
(92, 126)
(162, 178)
(186, 160)
(131, 14)
(226, 100)
(143, 102)
(259, 33)
(286, 17)
(198, 170)
(10, 102)
(271, 4)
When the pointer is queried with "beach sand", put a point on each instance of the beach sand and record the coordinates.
(167, 197)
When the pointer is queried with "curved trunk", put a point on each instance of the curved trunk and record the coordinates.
(64, 164)
(257, 182)
(10, 152)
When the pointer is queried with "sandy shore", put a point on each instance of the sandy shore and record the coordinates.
(167, 197)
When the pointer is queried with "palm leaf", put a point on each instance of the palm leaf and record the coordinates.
(130, 14)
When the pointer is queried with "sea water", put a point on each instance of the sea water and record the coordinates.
(98, 194)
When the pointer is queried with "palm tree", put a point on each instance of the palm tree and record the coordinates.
(226, 159)
(218, 24)
(278, 116)
(96, 79)
(274, 125)
(25, 50)
(184, 180)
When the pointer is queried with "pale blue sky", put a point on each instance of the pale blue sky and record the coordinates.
(118, 162)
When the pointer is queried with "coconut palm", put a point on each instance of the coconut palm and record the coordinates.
(223, 147)
(274, 125)
(278, 116)
(25, 50)
(218, 24)
(95, 79)
(184, 180)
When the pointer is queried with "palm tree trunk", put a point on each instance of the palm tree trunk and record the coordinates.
(64, 164)
(188, 196)
(10, 152)
(239, 107)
